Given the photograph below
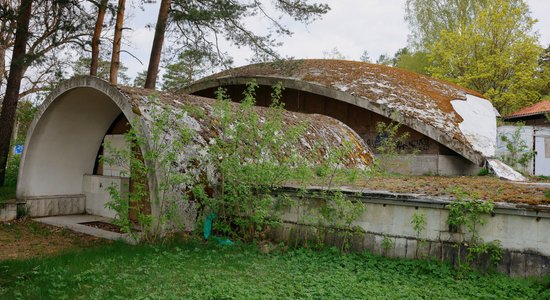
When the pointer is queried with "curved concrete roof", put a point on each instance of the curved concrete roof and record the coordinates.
(67, 131)
(456, 117)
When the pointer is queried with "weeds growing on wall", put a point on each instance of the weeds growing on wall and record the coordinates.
(419, 222)
(390, 158)
(468, 213)
(333, 214)
(519, 154)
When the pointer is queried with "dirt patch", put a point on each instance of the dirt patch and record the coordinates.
(103, 226)
(26, 238)
(486, 188)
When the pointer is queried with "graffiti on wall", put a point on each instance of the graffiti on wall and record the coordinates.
(411, 145)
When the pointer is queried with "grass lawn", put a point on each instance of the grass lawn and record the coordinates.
(7, 193)
(194, 270)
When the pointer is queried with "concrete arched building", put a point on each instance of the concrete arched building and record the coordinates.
(61, 173)
(453, 128)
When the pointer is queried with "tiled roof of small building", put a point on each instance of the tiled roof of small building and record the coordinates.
(539, 108)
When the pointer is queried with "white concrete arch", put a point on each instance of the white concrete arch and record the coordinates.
(428, 130)
(63, 141)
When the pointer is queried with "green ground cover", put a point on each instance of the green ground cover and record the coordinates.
(7, 193)
(197, 271)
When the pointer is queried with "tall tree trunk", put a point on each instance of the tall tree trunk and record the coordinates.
(115, 58)
(156, 50)
(17, 66)
(96, 38)
(2, 64)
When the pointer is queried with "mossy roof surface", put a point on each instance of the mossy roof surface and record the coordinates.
(323, 133)
(410, 94)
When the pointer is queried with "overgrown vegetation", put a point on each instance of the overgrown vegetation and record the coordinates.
(519, 154)
(7, 191)
(198, 271)
(392, 157)
(233, 176)
(419, 222)
(466, 215)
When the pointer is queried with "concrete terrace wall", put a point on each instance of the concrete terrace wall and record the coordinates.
(522, 231)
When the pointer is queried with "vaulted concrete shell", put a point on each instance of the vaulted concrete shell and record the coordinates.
(457, 122)
(59, 172)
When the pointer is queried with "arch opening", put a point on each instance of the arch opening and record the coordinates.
(56, 176)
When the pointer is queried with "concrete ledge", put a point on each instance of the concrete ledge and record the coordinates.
(55, 205)
(73, 222)
(522, 230)
(8, 211)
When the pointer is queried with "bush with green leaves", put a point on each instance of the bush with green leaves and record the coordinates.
(518, 154)
(252, 155)
(159, 152)
(392, 159)
(233, 176)
(466, 211)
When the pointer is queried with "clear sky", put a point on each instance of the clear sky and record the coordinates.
(351, 26)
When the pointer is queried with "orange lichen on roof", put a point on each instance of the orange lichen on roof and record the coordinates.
(322, 132)
(412, 95)
(363, 78)
(541, 107)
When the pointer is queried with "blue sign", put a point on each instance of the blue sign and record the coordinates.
(18, 149)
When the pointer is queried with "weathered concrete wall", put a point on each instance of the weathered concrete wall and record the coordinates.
(94, 187)
(522, 231)
(527, 135)
(433, 164)
(55, 205)
(8, 211)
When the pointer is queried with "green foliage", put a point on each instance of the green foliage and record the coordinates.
(387, 244)
(483, 172)
(6, 193)
(183, 271)
(413, 61)
(495, 53)
(390, 157)
(419, 221)
(333, 53)
(384, 59)
(139, 80)
(518, 154)
(467, 212)
(365, 57)
(189, 66)
(235, 175)
(547, 194)
(252, 155)
(428, 19)
(12, 171)
(82, 67)
(161, 157)
(200, 25)
(336, 216)
(24, 116)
